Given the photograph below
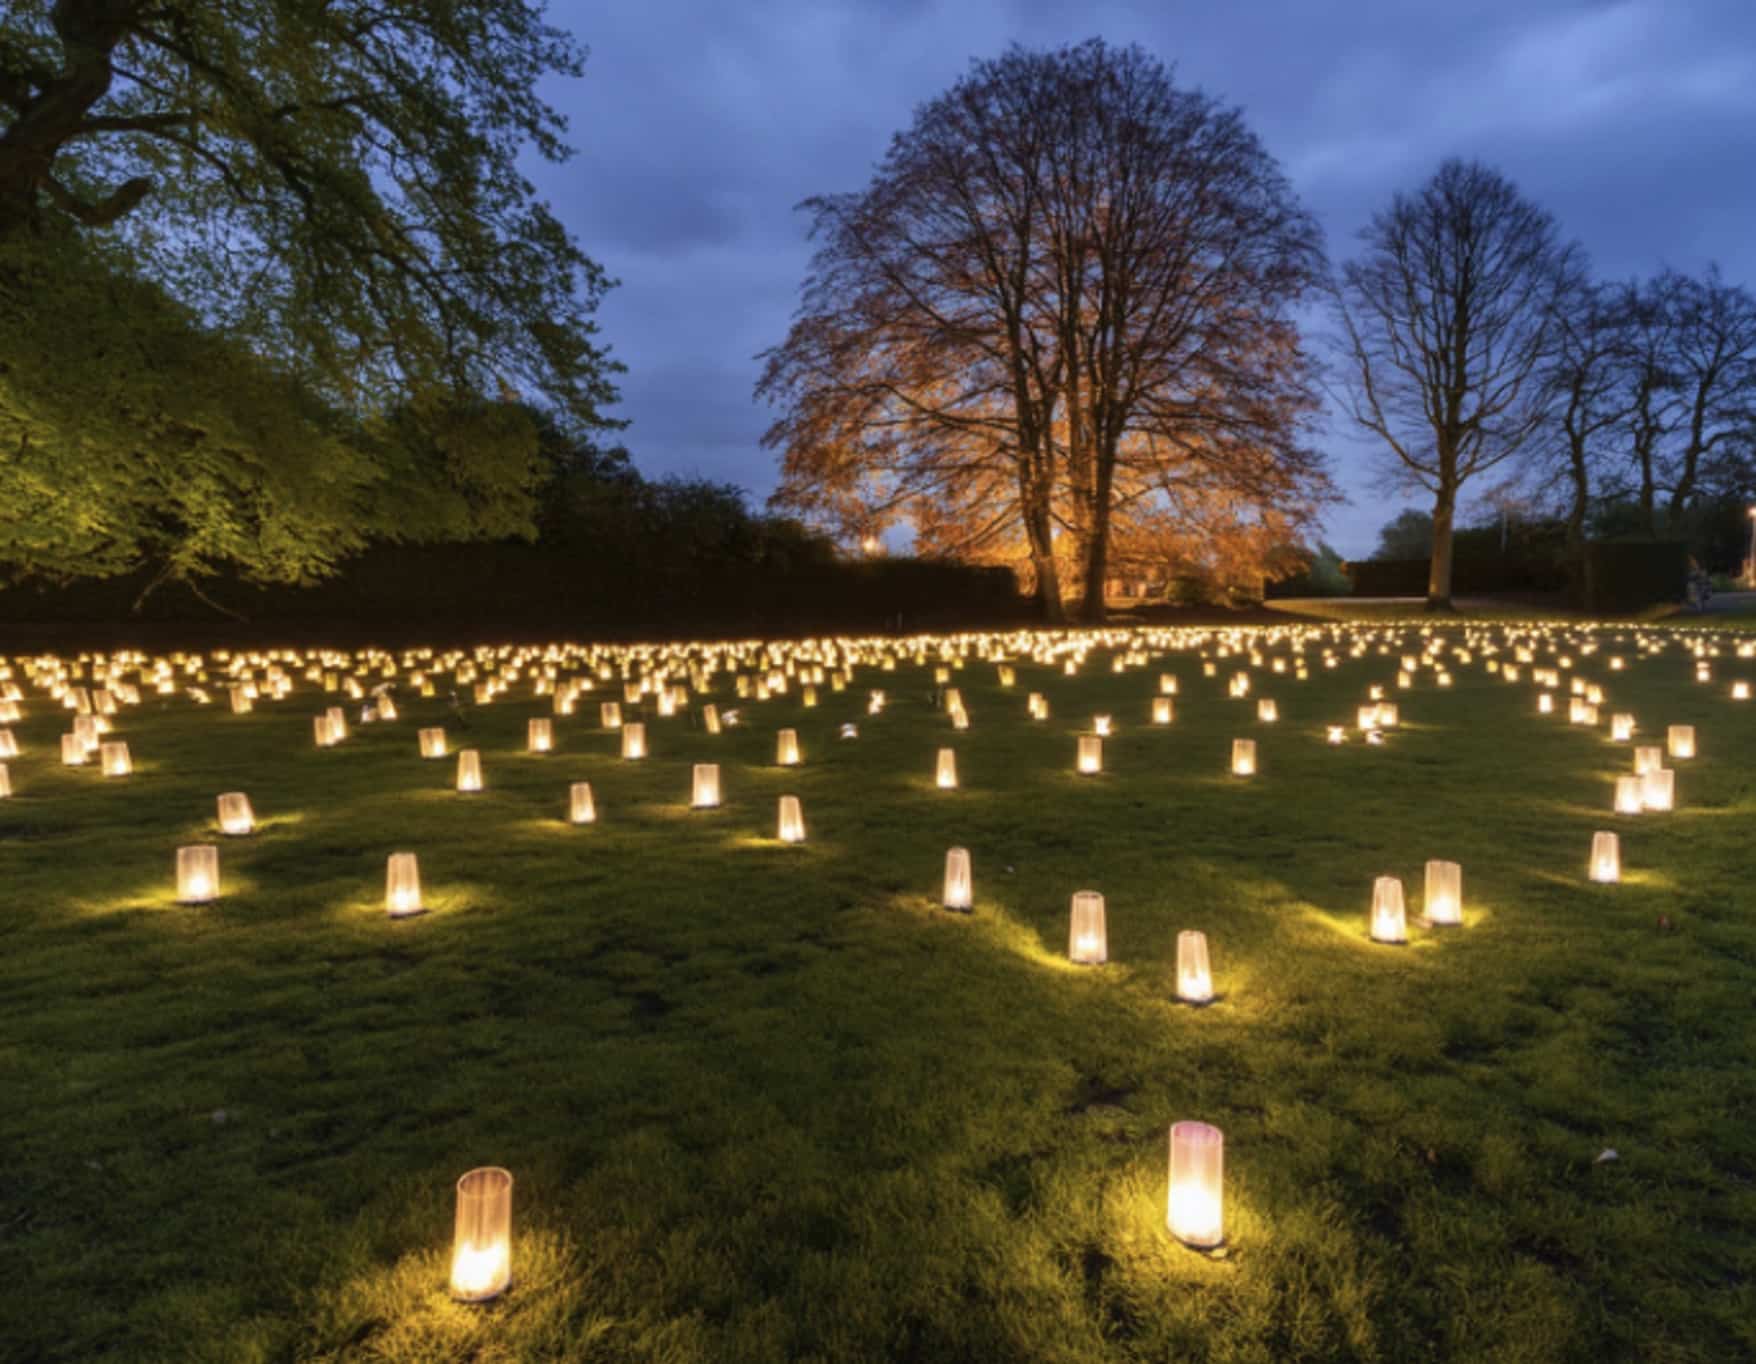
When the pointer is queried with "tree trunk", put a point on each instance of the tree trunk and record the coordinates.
(1093, 610)
(1039, 531)
(1439, 574)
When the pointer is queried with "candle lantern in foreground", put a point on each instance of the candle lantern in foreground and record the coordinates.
(1267, 711)
(469, 770)
(1442, 903)
(791, 827)
(1091, 755)
(1389, 918)
(5, 782)
(1658, 789)
(1628, 799)
(197, 874)
(1621, 728)
(1647, 757)
(1606, 858)
(704, 794)
(73, 750)
(481, 1252)
(540, 735)
(402, 885)
(8, 744)
(634, 740)
(1161, 710)
(1243, 757)
(1195, 1214)
(610, 714)
(580, 809)
(1194, 976)
(433, 742)
(959, 885)
(786, 748)
(236, 818)
(1087, 942)
(946, 775)
(1681, 740)
(114, 757)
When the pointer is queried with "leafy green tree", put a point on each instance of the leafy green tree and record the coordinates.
(1407, 535)
(261, 262)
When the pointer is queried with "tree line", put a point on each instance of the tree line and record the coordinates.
(1473, 338)
(1058, 328)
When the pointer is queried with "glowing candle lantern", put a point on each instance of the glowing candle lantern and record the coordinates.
(946, 776)
(198, 874)
(115, 760)
(959, 885)
(1628, 795)
(5, 782)
(1442, 904)
(1621, 728)
(236, 818)
(1606, 858)
(1266, 711)
(1336, 734)
(1389, 717)
(1389, 919)
(481, 1252)
(1090, 757)
(1658, 789)
(1545, 703)
(433, 742)
(8, 744)
(469, 770)
(402, 886)
(704, 788)
(73, 752)
(580, 808)
(1366, 717)
(1243, 757)
(710, 718)
(1038, 705)
(1647, 757)
(634, 740)
(1167, 684)
(1740, 691)
(610, 714)
(1194, 977)
(1087, 942)
(320, 731)
(792, 821)
(539, 735)
(786, 748)
(1161, 710)
(386, 707)
(338, 724)
(1195, 1211)
(1681, 741)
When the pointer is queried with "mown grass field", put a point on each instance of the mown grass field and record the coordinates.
(771, 1102)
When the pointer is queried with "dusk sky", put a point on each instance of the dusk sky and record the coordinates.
(701, 124)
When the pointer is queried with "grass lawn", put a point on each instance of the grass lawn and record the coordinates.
(767, 1102)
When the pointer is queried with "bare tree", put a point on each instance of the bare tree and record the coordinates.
(1068, 279)
(1714, 351)
(1588, 380)
(1446, 319)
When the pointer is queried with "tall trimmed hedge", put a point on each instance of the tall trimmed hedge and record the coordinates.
(573, 589)
(1628, 575)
